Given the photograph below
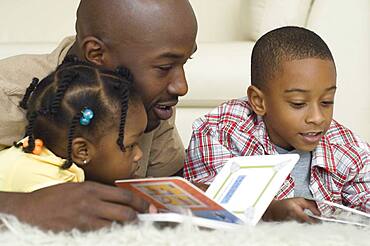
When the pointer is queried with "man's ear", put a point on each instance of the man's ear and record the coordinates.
(95, 51)
(256, 99)
(83, 151)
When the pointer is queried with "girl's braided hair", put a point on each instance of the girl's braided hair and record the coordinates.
(55, 103)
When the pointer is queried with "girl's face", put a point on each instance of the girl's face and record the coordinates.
(109, 162)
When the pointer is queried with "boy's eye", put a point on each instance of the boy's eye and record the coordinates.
(327, 103)
(297, 104)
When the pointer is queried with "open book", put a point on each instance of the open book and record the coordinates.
(341, 214)
(240, 193)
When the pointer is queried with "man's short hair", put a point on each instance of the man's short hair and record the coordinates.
(284, 44)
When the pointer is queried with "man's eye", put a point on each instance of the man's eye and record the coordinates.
(165, 67)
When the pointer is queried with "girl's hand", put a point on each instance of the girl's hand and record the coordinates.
(201, 186)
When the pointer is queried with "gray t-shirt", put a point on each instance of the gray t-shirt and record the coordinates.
(301, 172)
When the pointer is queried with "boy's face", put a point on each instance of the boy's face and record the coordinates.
(299, 103)
(110, 162)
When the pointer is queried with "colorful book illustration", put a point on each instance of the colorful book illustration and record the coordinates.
(175, 194)
(240, 193)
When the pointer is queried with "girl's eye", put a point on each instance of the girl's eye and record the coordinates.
(129, 147)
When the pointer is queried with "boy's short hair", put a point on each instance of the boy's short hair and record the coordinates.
(284, 44)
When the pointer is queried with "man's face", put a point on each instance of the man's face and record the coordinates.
(299, 103)
(156, 57)
(159, 76)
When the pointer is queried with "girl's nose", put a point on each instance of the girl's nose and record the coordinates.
(138, 153)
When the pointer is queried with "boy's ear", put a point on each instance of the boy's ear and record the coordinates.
(83, 151)
(256, 99)
(95, 51)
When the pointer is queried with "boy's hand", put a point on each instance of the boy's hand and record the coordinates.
(86, 206)
(291, 209)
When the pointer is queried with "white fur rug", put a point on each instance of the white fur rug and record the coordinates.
(292, 234)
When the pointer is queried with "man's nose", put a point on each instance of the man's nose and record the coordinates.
(315, 115)
(178, 86)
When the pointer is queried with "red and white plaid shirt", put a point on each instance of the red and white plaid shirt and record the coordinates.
(340, 167)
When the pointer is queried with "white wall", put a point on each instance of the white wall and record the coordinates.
(36, 21)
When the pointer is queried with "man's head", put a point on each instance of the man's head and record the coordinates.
(293, 86)
(152, 38)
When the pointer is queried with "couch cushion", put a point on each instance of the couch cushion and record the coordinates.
(218, 72)
(218, 20)
(261, 16)
(12, 49)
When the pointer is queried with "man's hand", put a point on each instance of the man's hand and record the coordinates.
(85, 206)
(291, 209)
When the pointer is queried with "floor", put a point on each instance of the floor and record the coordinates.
(289, 233)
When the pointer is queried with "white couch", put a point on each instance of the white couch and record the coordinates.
(228, 29)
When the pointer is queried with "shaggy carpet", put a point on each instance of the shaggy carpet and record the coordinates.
(289, 233)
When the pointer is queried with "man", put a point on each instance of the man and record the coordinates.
(152, 38)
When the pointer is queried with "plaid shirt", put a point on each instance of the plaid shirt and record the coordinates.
(340, 167)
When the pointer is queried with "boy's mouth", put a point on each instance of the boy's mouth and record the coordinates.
(311, 137)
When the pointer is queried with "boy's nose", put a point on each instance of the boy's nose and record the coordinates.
(315, 115)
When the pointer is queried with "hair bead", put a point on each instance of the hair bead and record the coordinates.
(87, 115)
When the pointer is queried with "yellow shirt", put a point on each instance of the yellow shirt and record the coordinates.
(163, 151)
(23, 172)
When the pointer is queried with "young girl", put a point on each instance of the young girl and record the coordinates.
(83, 123)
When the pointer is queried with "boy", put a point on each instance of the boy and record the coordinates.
(289, 110)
